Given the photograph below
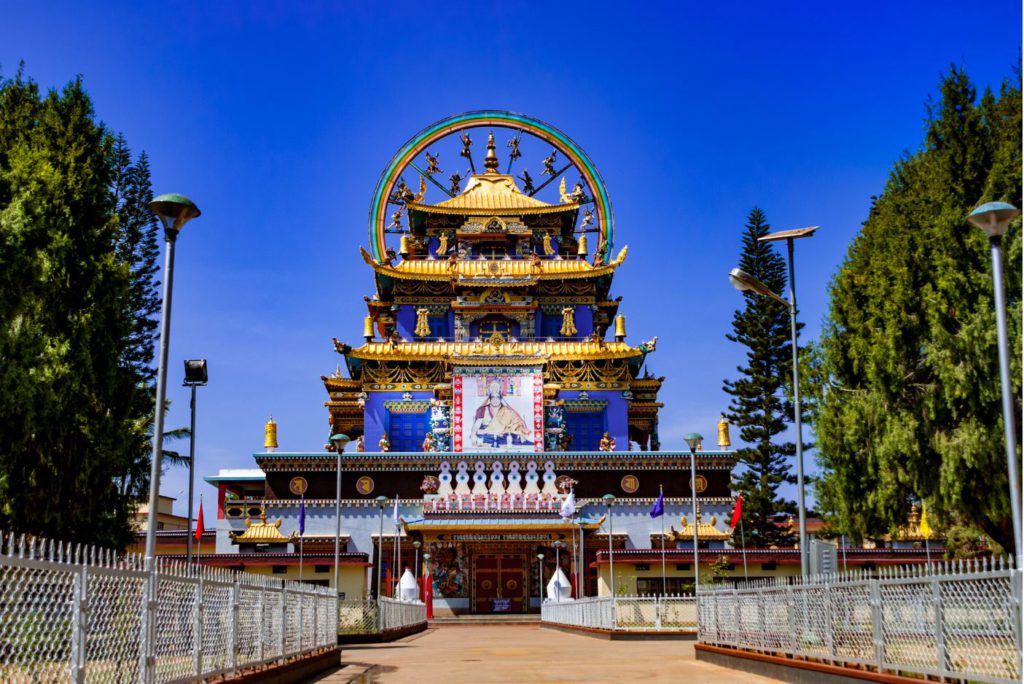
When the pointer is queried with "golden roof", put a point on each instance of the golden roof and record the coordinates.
(467, 352)
(912, 530)
(492, 194)
(485, 271)
(705, 530)
(261, 532)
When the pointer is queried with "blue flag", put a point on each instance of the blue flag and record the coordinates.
(659, 506)
(302, 515)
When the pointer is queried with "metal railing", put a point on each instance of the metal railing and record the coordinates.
(395, 614)
(357, 616)
(361, 616)
(70, 613)
(624, 613)
(958, 621)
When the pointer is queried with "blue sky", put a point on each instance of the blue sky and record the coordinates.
(277, 118)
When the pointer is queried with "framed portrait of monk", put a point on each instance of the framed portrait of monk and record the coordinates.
(498, 409)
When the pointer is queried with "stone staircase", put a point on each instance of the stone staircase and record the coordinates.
(496, 619)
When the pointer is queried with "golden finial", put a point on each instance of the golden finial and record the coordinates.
(403, 246)
(620, 328)
(270, 435)
(422, 324)
(723, 433)
(581, 250)
(491, 160)
(368, 328)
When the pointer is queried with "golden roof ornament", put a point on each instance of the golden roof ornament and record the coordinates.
(491, 160)
(916, 529)
(723, 433)
(620, 328)
(261, 532)
(581, 249)
(404, 246)
(705, 530)
(368, 328)
(270, 435)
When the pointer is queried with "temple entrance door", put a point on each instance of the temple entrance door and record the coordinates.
(498, 584)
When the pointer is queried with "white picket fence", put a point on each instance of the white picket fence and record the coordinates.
(70, 613)
(624, 613)
(958, 621)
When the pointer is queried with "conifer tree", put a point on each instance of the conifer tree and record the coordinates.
(76, 287)
(908, 400)
(759, 406)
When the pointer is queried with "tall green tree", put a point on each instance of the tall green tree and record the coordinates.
(908, 402)
(759, 406)
(75, 283)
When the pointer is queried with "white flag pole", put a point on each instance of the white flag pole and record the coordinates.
(664, 583)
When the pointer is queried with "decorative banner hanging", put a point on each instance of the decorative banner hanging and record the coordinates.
(498, 409)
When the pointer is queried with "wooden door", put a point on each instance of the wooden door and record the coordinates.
(499, 584)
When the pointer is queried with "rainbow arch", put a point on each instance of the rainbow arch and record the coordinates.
(422, 140)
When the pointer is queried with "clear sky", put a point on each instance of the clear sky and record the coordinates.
(278, 117)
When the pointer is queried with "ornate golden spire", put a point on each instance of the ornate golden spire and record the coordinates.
(491, 160)
(581, 249)
(270, 435)
(368, 328)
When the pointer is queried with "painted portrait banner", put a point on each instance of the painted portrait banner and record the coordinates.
(498, 408)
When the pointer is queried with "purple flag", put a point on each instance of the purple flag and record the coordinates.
(302, 515)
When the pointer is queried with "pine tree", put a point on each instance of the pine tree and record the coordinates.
(760, 408)
(76, 286)
(908, 406)
(137, 246)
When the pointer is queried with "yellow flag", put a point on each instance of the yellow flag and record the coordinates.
(926, 530)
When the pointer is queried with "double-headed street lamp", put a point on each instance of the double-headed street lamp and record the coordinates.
(339, 441)
(694, 440)
(174, 211)
(195, 376)
(747, 283)
(994, 218)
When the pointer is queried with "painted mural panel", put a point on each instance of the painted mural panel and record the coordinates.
(498, 409)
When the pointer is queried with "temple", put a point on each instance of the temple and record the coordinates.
(495, 381)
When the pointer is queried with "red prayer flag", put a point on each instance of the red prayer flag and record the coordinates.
(199, 523)
(737, 512)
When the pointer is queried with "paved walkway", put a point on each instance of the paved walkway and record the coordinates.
(525, 653)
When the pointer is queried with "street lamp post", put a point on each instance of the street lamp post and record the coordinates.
(339, 441)
(994, 218)
(558, 567)
(174, 211)
(416, 559)
(609, 499)
(195, 376)
(381, 503)
(694, 440)
(745, 282)
(540, 576)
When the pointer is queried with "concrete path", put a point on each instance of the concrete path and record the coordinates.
(525, 653)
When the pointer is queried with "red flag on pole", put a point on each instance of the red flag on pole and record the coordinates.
(199, 523)
(737, 513)
(429, 595)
